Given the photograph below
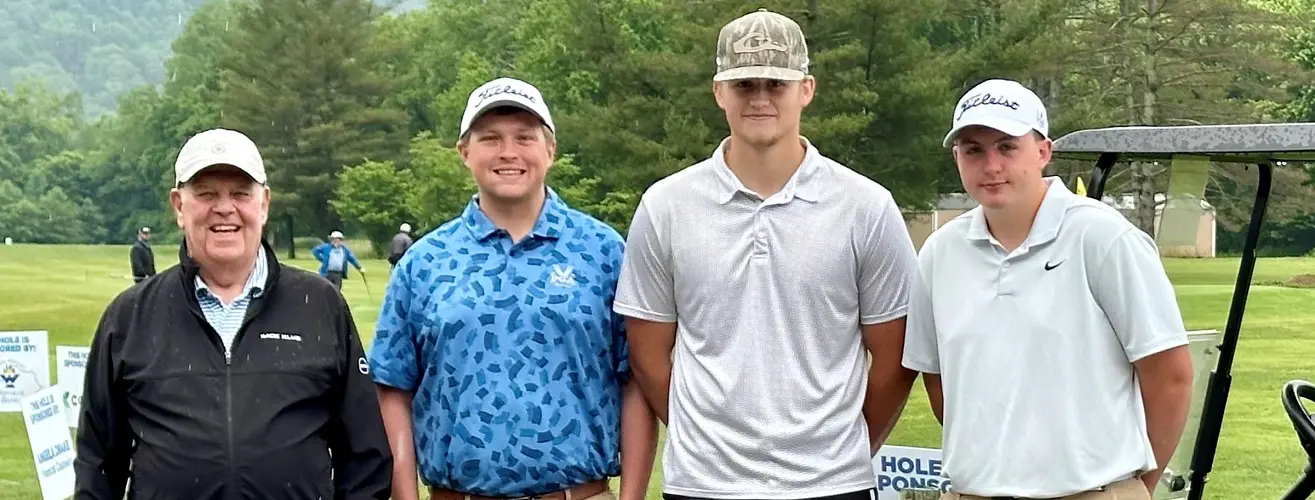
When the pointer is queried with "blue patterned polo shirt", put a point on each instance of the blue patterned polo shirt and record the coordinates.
(512, 351)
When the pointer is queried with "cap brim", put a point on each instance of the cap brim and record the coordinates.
(1014, 128)
(764, 72)
(211, 163)
(491, 105)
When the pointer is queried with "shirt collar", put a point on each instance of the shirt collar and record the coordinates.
(802, 185)
(551, 222)
(255, 284)
(1045, 226)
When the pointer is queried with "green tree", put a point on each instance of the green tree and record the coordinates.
(297, 79)
(443, 185)
(371, 197)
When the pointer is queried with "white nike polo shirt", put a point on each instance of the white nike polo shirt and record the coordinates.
(1035, 347)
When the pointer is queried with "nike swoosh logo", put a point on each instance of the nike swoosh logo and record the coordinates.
(1049, 266)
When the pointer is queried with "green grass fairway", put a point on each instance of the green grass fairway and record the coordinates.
(63, 289)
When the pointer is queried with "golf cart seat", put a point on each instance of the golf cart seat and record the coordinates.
(1304, 423)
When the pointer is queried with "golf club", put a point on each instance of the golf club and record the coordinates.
(367, 285)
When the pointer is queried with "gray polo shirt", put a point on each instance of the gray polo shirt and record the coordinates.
(768, 295)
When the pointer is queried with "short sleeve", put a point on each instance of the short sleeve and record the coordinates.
(1131, 286)
(887, 260)
(921, 351)
(393, 354)
(646, 289)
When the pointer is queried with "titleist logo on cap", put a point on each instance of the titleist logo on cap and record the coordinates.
(985, 100)
(490, 92)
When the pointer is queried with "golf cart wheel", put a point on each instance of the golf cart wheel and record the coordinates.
(1303, 422)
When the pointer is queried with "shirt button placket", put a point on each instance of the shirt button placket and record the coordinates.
(759, 233)
(1006, 279)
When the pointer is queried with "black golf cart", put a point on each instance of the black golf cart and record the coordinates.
(1262, 146)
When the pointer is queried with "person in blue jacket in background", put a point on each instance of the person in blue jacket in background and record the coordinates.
(334, 257)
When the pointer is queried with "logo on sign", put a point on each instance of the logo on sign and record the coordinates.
(9, 375)
(71, 400)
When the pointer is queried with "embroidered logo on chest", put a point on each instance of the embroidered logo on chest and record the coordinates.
(281, 336)
(562, 275)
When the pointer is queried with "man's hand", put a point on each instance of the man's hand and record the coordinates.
(1166, 387)
(889, 382)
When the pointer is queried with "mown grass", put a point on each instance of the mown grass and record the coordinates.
(63, 290)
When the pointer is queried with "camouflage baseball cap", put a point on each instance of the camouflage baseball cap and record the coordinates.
(761, 44)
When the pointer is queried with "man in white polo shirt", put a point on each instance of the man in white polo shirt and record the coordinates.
(1045, 323)
(772, 271)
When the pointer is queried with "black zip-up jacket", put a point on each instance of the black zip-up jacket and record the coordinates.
(293, 416)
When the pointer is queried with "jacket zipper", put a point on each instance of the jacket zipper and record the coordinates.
(228, 408)
(228, 393)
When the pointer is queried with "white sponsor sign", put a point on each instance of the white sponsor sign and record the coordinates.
(52, 446)
(24, 367)
(901, 467)
(70, 366)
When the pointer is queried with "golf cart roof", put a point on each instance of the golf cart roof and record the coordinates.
(1249, 143)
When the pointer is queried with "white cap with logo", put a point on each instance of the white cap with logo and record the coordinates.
(1004, 105)
(219, 147)
(505, 92)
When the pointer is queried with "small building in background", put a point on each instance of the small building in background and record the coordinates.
(921, 224)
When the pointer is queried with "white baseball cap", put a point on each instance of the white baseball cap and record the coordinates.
(335, 234)
(406, 228)
(1004, 105)
(505, 92)
(219, 147)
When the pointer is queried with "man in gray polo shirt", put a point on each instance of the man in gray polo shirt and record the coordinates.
(772, 271)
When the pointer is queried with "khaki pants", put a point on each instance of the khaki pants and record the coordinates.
(1128, 489)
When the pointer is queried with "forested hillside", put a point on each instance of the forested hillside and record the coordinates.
(100, 48)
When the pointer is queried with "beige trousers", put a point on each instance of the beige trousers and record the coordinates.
(1128, 489)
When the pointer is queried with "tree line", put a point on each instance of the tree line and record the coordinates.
(356, 107)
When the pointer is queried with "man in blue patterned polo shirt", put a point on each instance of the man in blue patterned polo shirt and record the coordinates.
(502, 369)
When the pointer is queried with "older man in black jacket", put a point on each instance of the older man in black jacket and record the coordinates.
(229, 376)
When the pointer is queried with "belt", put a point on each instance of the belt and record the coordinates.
(580, 492)
(1117, 484)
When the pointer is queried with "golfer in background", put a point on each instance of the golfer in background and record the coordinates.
(1048, 334)
(230, 375)
(502, 370)
(334, 257)
(141, 256)
(400, 244)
